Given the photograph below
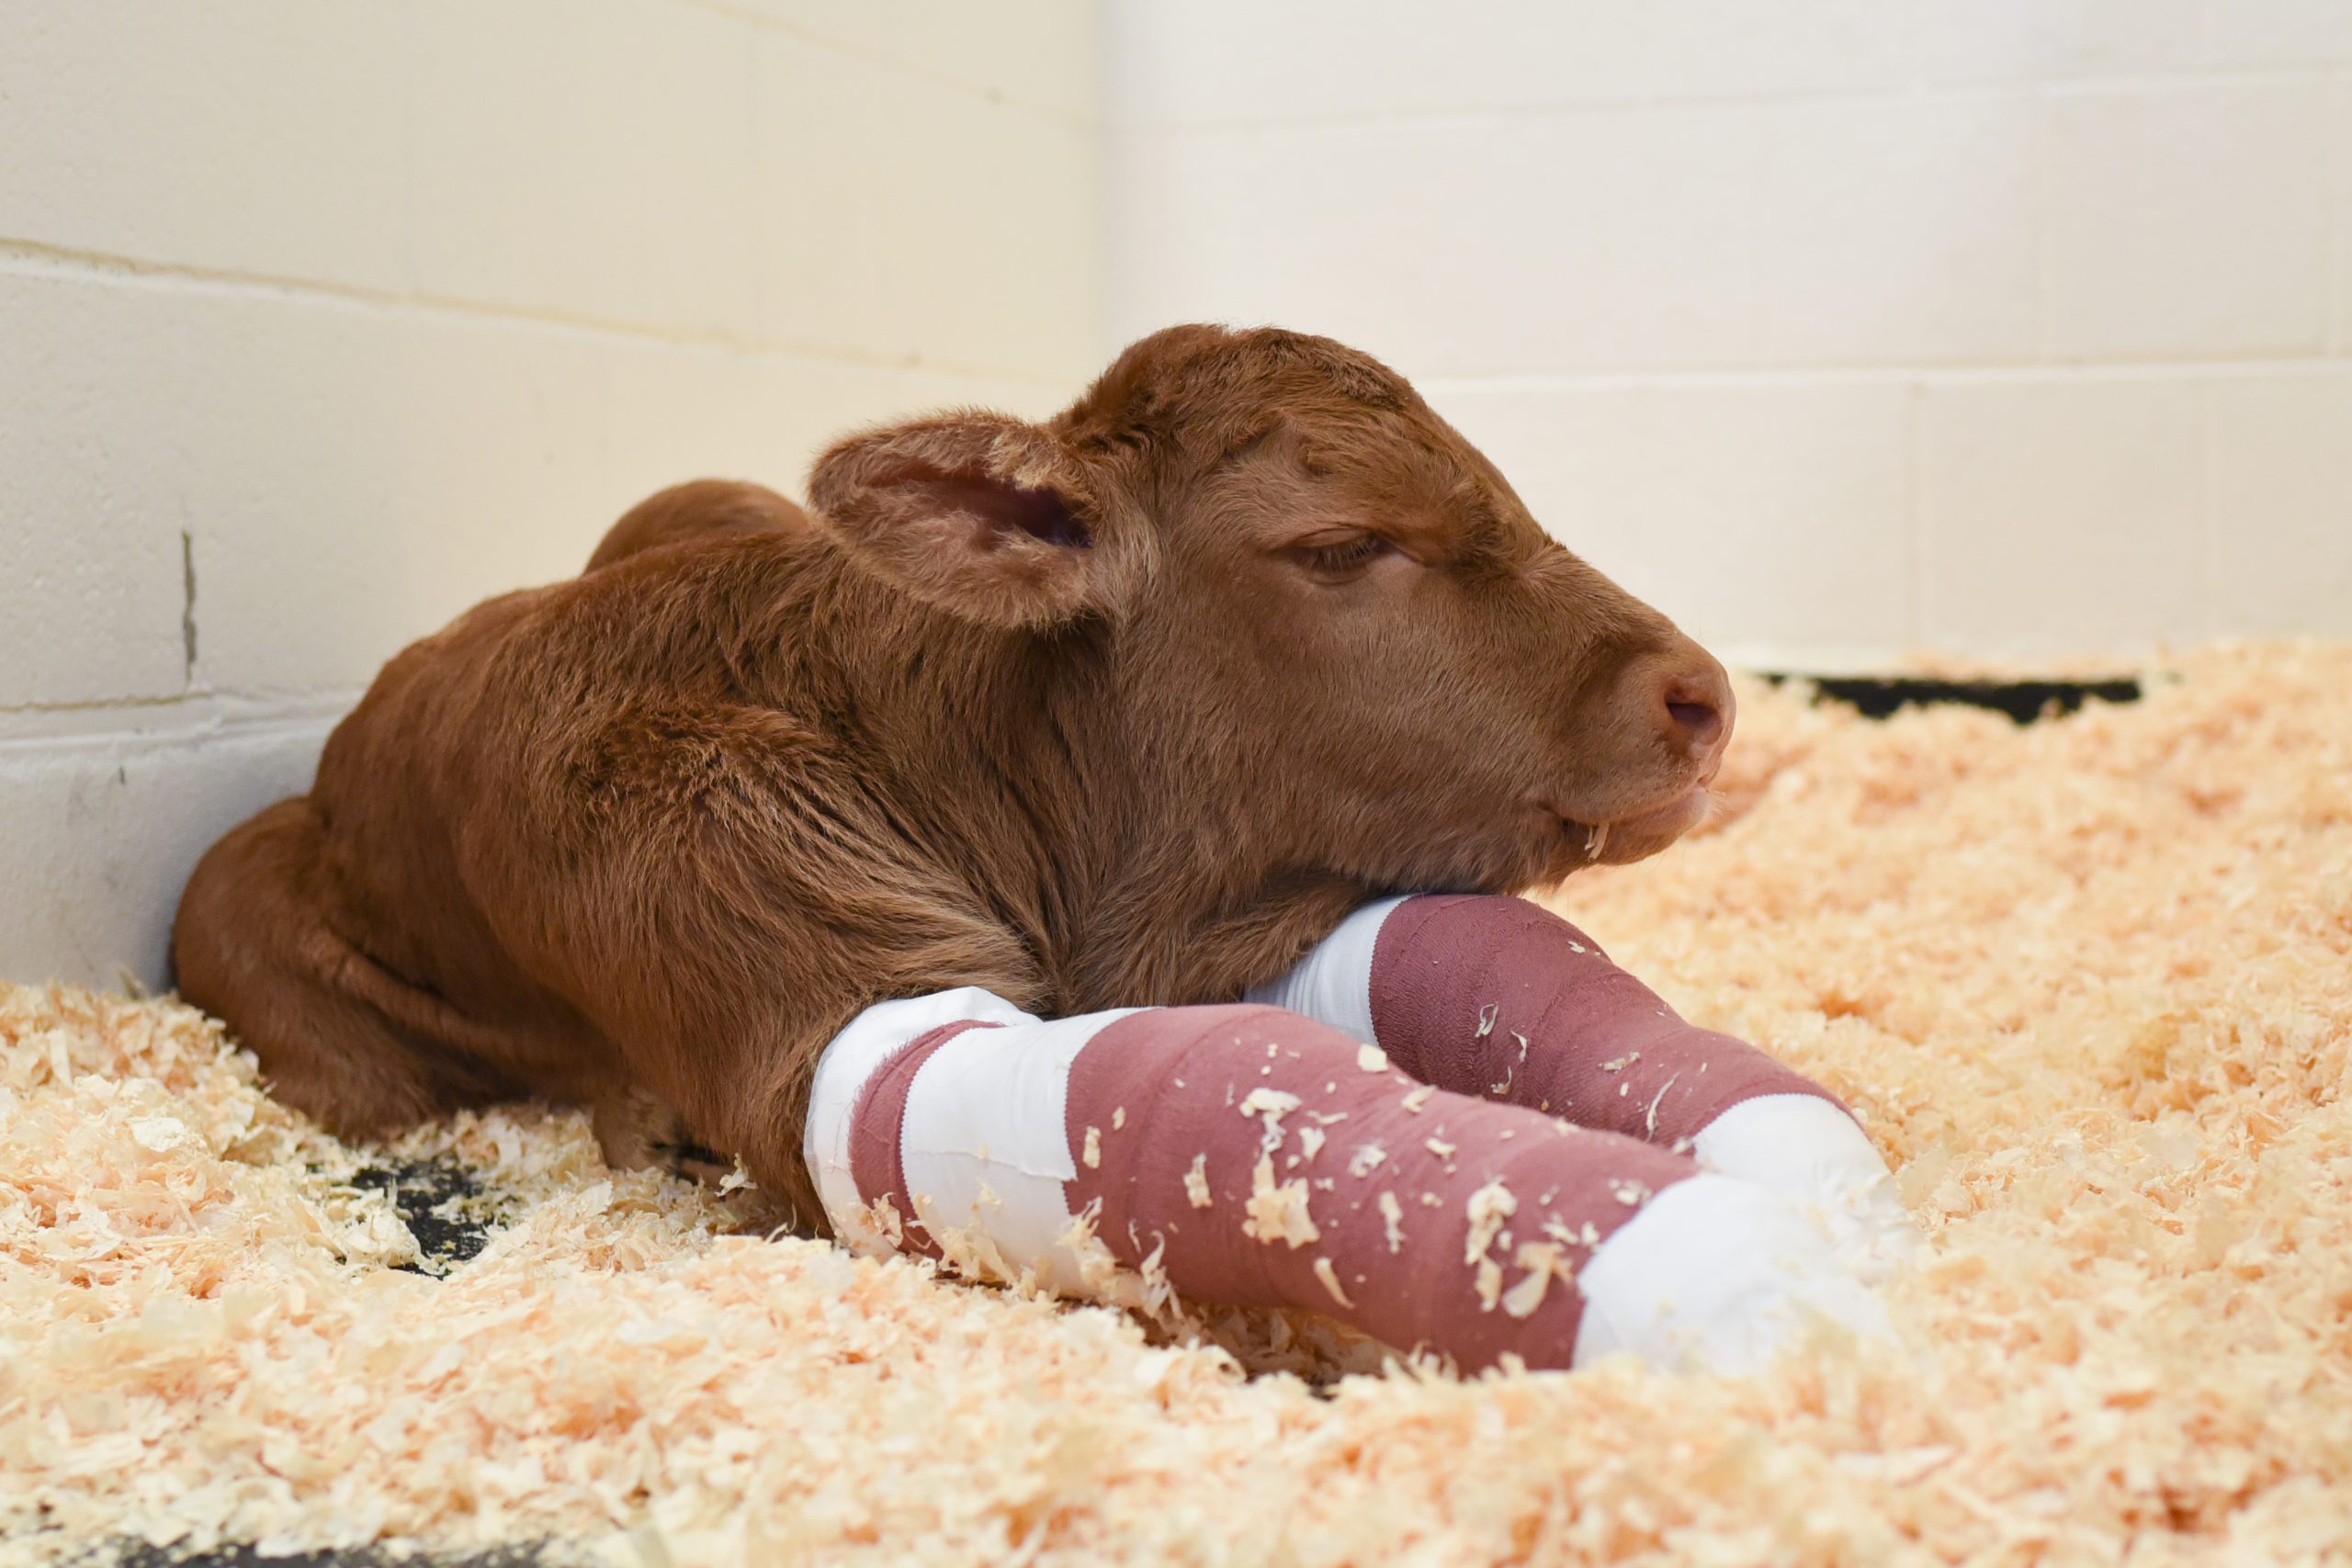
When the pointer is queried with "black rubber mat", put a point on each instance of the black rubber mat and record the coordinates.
(1879, 696)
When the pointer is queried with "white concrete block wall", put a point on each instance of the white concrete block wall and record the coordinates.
(1842, 329)
(2059, 515)
(320, 320)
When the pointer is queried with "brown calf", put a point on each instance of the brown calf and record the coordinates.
(1129, 706)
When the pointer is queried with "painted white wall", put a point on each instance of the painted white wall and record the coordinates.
(320, 320)
(1841, 329)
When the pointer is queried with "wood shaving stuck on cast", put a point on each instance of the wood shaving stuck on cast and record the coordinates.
(2088, 982)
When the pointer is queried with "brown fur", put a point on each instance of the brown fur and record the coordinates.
(695, 511)
(1121, 708)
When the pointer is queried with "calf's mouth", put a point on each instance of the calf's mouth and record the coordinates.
(1620, 837)
(1617, 841)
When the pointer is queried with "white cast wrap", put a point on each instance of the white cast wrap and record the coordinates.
(1332, 985)
(986, 1143)
(1812, 1154)
(853, 1056)
(1715, 1275)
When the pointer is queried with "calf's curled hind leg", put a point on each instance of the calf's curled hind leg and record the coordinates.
(258, 943)
(1251, 1157)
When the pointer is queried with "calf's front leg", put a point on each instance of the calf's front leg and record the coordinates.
(1499, 998)
(1247, 1156)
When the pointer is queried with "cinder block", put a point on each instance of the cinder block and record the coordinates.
(2018, 41)
(1892, 230)
(1044, 54)
(2278, 532)
(2060, 518)
(1771, 522)
(963, 236)
(1612, 240)
(596, 160)
(2297, 35)
(591, 160)
(254, 136)
(1228, 62)
(99, 837)
(360, 475)
(2186, 221)
(93, 498)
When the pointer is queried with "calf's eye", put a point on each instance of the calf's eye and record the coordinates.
(1345, 556)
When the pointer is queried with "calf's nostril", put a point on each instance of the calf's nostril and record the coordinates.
(1697, 722)
(1688, 702)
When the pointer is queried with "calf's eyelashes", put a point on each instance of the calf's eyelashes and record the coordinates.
(1342, 557)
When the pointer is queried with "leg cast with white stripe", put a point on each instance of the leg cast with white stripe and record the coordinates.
(1248, 1154)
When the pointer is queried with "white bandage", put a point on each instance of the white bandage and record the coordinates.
(1812, 1154)
(984, 1143)
(1332, 985)
(1715, 1275)
(849, 1061)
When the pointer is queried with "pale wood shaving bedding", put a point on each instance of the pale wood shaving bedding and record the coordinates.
(2091, 983)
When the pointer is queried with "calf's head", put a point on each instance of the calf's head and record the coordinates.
(1314, 607)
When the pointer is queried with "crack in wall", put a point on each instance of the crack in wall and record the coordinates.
(187, 608)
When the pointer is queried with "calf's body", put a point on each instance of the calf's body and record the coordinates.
(1127, 707)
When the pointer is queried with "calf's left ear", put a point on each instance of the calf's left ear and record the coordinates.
(986, 516)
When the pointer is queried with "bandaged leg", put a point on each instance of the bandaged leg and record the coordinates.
(1248, 1156)
(1499, 998)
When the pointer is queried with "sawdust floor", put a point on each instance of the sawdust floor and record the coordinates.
(2089, 982)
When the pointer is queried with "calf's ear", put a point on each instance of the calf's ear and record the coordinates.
(986, 516)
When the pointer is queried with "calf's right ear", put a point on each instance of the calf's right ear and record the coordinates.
(986, 516)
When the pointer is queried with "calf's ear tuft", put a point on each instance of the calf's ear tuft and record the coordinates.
(986, 516)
